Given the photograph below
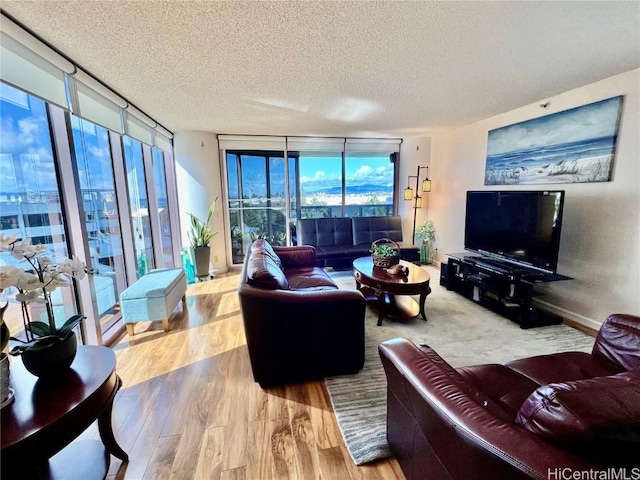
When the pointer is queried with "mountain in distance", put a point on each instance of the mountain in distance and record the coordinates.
(353, 189)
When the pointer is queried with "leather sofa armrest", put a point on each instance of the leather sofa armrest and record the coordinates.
(619, 340)
(296, 257)
(295, 336)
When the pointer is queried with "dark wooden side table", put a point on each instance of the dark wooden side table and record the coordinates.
(381, 288)
(39, 427)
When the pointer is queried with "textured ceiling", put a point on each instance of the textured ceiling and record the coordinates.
(337, 68)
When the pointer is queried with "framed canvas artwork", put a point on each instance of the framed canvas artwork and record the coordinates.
(572, 146)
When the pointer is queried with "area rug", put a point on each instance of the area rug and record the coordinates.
(462, 332)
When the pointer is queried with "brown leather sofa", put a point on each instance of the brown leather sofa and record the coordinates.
(298, 325)
(541, 417)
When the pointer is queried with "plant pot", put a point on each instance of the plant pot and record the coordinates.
(51, 361)
(6, 393)
(201, 257)
(425, 254)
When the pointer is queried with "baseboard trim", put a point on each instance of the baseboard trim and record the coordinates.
(572, 319)
(581, 327)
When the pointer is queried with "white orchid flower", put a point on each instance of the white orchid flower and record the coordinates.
(28, 281)
(73, 267)
(44, 261)
(6, 242)
(9, 275)
(32, 296)
(54, 280)
(22, 248)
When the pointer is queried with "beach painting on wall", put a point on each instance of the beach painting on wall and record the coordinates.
(572, 146)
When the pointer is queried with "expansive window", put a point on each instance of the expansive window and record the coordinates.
(29, 194)
(321, 183)
(328, 179)
(138, 205)
(369, 181)
(63, 180)
(257, 199)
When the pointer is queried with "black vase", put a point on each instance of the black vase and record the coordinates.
(53, 360)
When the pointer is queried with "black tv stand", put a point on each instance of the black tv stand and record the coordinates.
(501, 286)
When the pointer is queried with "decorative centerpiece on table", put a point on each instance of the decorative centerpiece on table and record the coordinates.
(385, 253)
(426, 232)
(200, 234)
(46, 349)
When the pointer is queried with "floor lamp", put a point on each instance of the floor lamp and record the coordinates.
(417, 200)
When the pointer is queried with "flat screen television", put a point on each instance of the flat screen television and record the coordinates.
(519, 227)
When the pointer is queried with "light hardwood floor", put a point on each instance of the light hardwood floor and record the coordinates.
(189, 408)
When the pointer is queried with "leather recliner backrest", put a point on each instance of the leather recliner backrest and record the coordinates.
(619, 340)
(369, 229)
(325, 232)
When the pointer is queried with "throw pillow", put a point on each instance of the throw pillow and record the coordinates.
(598, 415)
(263, 272)
(261, 245)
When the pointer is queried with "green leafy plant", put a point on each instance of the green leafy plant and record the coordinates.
(384, 250)
(34, 284)
(200, 232)
(426, 231)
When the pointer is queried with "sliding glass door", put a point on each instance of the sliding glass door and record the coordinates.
(102, 218)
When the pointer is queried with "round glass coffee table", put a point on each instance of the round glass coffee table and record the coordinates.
(387, 293)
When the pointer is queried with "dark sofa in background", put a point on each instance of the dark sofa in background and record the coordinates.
(298, 325)
(530, 418)
(339, 241)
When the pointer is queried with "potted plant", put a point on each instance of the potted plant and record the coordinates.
(200, 234)
(45, 348)
(385, 253)
(426, 232)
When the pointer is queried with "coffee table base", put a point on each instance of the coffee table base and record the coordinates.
(397, 306)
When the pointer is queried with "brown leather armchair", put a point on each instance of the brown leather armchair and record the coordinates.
(298, 325)
(538, 417)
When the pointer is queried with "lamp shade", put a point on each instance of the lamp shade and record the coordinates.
(426, 185)
(417, 203)
(408, 193)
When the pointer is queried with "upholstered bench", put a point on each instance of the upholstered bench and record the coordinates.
(153, 297)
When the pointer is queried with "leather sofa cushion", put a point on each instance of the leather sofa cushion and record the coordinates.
(264, 272)
(447, 375)
(563, 367)
(366, 230)
(505, 387)
(324, 232)
(602, 412)
(309, 279)
(618, 341)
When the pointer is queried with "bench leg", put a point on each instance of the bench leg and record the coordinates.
(129, 329)
(165, 324)
(184, 301)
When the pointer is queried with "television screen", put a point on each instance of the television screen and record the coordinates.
(517, 226)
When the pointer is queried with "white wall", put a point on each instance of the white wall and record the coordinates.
(198, 180)
(414, 152)
(600, 246)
